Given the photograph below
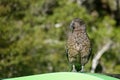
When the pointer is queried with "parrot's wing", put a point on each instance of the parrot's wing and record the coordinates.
(90, 52)
(66, 52)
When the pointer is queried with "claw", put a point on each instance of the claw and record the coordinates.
(82, 70)
(74, 70)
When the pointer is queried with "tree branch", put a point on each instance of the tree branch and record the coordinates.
(97, 57)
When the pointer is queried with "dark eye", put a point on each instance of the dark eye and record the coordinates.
(81, 22)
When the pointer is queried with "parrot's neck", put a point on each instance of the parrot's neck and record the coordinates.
(79, 31)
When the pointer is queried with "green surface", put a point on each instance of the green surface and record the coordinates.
(65, 76)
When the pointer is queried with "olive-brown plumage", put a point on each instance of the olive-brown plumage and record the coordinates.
(78, 45)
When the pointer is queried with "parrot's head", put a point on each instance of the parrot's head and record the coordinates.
(77, 25)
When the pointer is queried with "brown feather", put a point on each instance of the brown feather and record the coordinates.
(78, 43)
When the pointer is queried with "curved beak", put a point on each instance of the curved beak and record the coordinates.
(72, 26)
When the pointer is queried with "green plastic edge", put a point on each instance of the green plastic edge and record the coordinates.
(65, 76)
(103, 76)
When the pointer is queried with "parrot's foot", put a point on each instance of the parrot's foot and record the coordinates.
(73, 69)
(82, 70)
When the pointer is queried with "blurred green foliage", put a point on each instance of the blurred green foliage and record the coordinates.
(33, 36)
